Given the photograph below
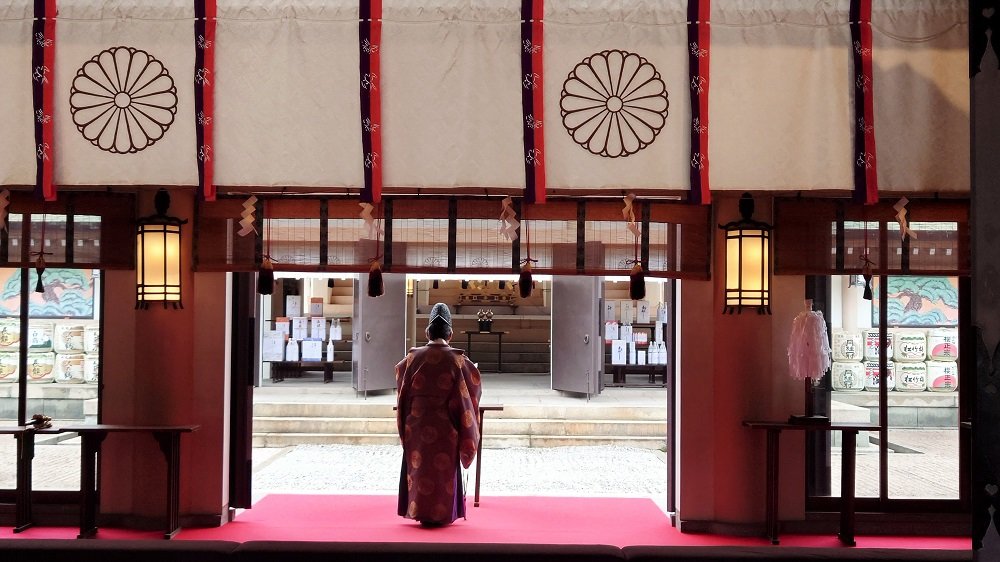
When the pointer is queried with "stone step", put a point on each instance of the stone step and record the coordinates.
(527, 425)
(489, 441)
(534, 428)
(487, 367)
(520, 411)
(508, 346)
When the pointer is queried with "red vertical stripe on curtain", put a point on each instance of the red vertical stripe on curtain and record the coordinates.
(369, 41)
(699, 48)
(865, 162)
(537, 36)
(43, 57)
(376, 96)
(532, 91)
(204, 88)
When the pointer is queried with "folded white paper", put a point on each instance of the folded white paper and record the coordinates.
(609, 311)
(610, 331)
(628, 312)
(272, 347)
(316, 307)
(661, 312)
(619, 352)
(312, 350)
(293, 305)
(642, 312)
(300, 328)
(317, 328)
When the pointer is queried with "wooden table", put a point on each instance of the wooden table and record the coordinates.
(479, 447)
(618, 373)
(849, 431)
(279, 369)
(25, 436)
(499, 335)
(91, 437)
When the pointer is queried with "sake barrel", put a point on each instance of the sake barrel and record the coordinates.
(41, 366)
(847, 375)
(40, 336)
(847, 346)
(912, 377)
(90, 364)
(9, 364)
(69, 368)
(871, 345)
(91, 339)
(68, 338)
(910, 346)
(872, 376)
(942, 344)
(10, 336)
(942, 376)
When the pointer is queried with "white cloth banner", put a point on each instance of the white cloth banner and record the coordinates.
(920, 67)
(652, 37)
(287, 109)
(451, 97)
(124, 102)
(17, 142)
(780, 103)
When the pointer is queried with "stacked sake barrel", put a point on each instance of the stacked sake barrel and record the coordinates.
(60, 352)
(872, 378)
(41, 358)
(942, 360)
(918, 360)
(848, 371)
(68, 346)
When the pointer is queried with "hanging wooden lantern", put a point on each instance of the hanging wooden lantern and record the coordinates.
(158, 256)
(748, 262)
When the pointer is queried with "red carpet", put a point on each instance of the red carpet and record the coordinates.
(505, 519)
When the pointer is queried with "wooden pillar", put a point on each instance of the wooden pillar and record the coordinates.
(985, 219)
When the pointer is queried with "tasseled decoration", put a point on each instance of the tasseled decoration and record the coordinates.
(39, 269)
(866, 273)
(808, 346)
(375, 285)
(265, 277)
(524, 282)
(637, 283)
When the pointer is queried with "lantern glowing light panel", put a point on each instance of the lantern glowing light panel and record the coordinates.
(158, 256)
(748, 267)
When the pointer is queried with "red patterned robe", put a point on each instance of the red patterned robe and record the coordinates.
(438, 421)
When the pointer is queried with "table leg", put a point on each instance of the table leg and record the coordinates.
(90, 446)
(499, 354)
(479, 459)
(170, 444)
(25, 454)
(328, 372)
(847, 477)
(772, 484)
(468, 344)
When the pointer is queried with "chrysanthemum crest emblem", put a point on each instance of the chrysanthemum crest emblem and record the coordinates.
(614, 103)
(123, 100)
